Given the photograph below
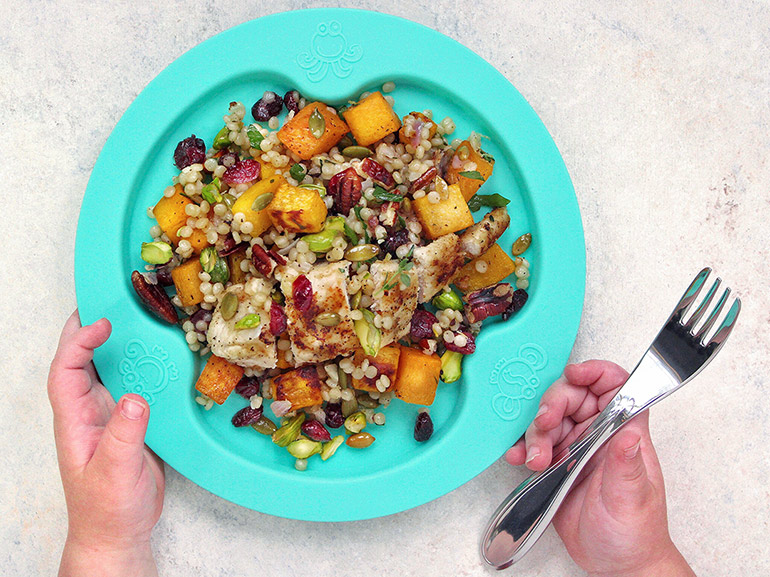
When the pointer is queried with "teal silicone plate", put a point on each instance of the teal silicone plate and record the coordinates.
(336, 55)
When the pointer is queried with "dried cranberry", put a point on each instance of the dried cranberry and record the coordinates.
(189, 151)
(520, 297)
(422, 325)
(163, 274)
(425, 179)
(291, 101)
(200, 315)
(247, 387)
(470, 344)
(378, 172)
(246, 416)
(345, 188)
(395, 240)
(334, 416)
(266, 107)
(278, 322)
(423, 427)
(315, 431)
(246, 170)
(488, 302)
(302, 293)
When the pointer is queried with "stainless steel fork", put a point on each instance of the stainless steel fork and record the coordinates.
(681, 350)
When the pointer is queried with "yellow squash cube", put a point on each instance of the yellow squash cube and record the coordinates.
(170, 213)
(371, 119)
(417, 377)
(297, 209)
(297, 136)
(187, 282)
(469, 186)
(448, 215)
(301, 387)
(260, 219)
(497, 266)
(386, 363)
(218, 379)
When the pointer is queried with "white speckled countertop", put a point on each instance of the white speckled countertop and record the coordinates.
(662, 115)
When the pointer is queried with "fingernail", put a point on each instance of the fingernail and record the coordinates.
(542, 410)
(532, 453)
(631, 452)
(132, 409)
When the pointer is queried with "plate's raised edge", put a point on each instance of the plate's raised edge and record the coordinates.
(544, 181)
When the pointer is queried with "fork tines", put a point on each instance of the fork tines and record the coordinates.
(701, 330)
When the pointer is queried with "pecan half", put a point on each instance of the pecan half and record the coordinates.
(345, 188)
(424, 180)
(264, 261)
(378, 173)
(154, 298)
(489, 301)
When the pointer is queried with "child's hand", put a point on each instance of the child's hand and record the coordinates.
(113, 483)
(613, 522)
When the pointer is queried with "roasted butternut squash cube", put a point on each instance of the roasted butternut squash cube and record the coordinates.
(468, 186)
(187, 282)
(297, 209)
(218, 379)
(417, 377)
(411, 128)
(301, 387)
(170, 213)
(386, 363)
(282, 362)
(497, 266)
(371, 119)
(266, 169)
(297, 136)
(197, 240)
(449, 214)
(260, 219)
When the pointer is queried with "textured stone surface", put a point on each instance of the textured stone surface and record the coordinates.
(661, 114)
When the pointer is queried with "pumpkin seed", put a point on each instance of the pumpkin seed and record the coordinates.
(248, 322)
(521, 244)
(316, 124)
(362, 252)
(356, 151)
(360, 440)
(264, 426)
(262, 201)
(228, 199)
(229, 306)
(345, 141)
(343, 380)
(328, 319)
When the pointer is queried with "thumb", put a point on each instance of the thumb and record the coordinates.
(120, 451)
(625, 484)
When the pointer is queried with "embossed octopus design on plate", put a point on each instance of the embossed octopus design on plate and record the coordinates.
(329, 50)
(146, 372)
(517, 379)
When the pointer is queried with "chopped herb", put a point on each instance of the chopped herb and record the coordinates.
(255, 136)
(401, 221)
(406, 280)
(486, 156)
(403, 265)
(383, 195)
(350, 234)
(492, 200)
(474, 174)
(357, 210)
(297, 172)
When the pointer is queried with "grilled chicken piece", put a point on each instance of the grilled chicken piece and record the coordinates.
(312, 342)
(245, 347)
(396, 303)
(477, 239)
(436, 263)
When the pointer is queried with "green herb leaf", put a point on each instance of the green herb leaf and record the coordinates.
(486, 156)
(474, 174)
(492, 200)
(357, 210)
(350, 234)
(384, 196)
(406, 280)
(255, 136)
(297, 172)
(248, 322)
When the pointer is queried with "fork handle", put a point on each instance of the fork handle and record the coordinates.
(526, 513)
